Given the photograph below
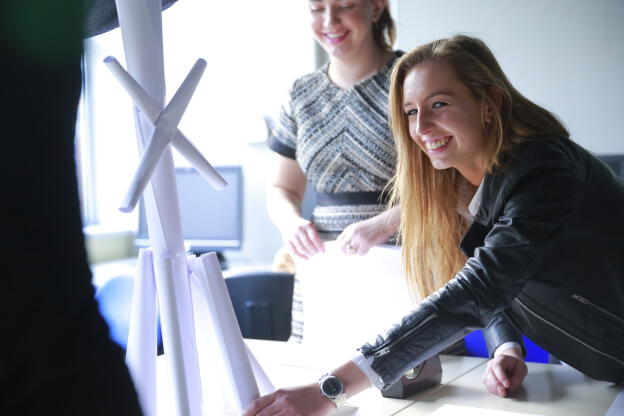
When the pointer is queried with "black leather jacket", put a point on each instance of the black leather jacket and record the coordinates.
(546, 250)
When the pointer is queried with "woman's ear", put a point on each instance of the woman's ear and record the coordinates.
(378, 8)
(493, 105)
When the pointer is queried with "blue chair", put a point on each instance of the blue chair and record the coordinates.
(475, 345)
(262, 302)
(115, 304)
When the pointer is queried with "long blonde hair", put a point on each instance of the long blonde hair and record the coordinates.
(431, 227)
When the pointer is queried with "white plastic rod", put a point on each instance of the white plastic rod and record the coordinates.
(147, 164)
(152, 112)
(174, 111)
(149, 108)
(178, 331)
(198, 161)
(138, 94)
(141, 348)
(264, 382)
(233, 348)
(141, 30)
(166, 126)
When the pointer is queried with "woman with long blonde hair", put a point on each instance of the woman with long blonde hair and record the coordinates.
(541, 220)
(432, 221)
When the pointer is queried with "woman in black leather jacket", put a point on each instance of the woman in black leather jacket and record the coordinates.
(543, 233)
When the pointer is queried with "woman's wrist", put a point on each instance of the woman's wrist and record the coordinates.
(388, 222)
(512, 349)
(352, 377)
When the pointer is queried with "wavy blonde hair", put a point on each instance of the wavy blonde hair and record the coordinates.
(431, 227)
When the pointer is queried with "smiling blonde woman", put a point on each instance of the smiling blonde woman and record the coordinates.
(543, 231)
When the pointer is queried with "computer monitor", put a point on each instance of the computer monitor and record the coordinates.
(211, 220)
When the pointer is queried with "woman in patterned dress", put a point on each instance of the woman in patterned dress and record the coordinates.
(333, 132)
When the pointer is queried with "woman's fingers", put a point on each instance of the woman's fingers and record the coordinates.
(504, 374)
(305, 242)
(520, 371)
(315, 239)
(500, 372)
(491, 382)
(358, 238)
(259, 404)
(294, 249)
(296, 401)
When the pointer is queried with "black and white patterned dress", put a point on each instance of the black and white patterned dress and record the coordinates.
(342, 142)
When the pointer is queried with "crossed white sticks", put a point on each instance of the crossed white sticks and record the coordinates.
(166, 130)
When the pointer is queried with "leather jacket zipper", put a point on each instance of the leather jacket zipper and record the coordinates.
(381, 351)
(568, 334)
(592, 305)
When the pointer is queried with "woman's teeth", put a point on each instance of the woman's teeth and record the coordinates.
(334, 35)
(436, 144)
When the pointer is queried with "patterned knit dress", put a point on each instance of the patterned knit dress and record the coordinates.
(342, 142)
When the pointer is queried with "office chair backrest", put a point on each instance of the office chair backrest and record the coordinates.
(262, 302)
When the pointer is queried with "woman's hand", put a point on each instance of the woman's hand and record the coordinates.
(298, 401)
(303, 240)
(505, 372)
(358, 238)
(284, 197)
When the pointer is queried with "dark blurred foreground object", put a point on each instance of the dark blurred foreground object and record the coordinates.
(101, 16)
(426, 375)
(56, 357)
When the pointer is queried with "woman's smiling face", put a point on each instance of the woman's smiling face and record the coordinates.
(342, 27)
(444, 119)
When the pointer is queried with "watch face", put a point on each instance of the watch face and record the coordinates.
(332, 387)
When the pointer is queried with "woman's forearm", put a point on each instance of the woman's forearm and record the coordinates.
(354, 380)
(283, 207)
(390, 220)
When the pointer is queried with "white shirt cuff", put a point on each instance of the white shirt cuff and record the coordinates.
(364, 364)
(506, 346)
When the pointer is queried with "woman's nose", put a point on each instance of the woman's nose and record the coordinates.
(423, 123)
(330, 17)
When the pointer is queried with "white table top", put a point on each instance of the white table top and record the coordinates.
(548, 390)
(289, 364)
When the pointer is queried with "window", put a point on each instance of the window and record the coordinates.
(253, 50)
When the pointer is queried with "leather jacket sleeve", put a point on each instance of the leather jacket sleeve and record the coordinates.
(537, 196)
(500, 331)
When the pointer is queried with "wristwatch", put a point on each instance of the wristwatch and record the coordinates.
(333, 388)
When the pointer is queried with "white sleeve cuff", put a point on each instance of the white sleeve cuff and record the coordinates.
(364, 364)
(506, 346)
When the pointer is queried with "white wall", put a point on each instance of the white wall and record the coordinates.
(566, 55)
(260, 238)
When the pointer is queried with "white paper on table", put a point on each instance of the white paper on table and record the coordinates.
(351, 299)
(617, 407)
(454, 410)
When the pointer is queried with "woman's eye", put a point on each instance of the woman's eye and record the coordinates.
(439, 104)
(348, 7)
(316, 10)
(411, 112)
